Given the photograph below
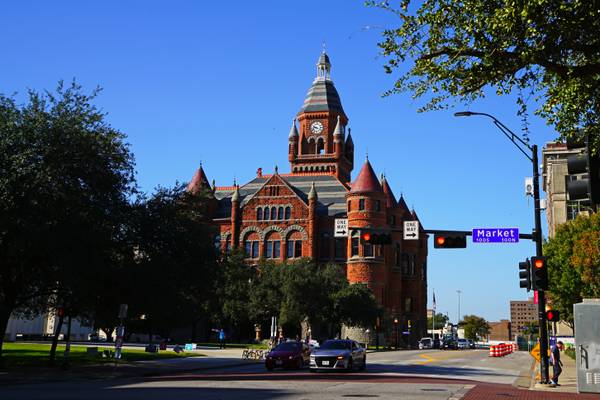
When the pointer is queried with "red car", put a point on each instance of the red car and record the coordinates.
(288, 355)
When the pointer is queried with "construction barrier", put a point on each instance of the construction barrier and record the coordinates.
(502, 349)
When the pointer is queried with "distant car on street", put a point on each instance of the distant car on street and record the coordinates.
(338, 354)
(449, 343)
(288, 355)
(463, 344)
(426, 343)
(471, 343)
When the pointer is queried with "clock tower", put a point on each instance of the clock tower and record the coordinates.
(321, 142)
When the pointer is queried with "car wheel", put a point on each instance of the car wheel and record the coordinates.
(364, 364)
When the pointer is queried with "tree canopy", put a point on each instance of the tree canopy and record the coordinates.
(440, 321)
(474, 326)
(547, 51)
(573, 256)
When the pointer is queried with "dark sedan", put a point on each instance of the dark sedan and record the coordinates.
(338, 354)
(288, 355)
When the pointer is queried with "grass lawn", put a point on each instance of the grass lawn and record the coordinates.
(32, 355)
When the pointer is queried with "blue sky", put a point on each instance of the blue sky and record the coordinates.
(220, 82)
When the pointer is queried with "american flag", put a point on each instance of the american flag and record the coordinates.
(434, 300)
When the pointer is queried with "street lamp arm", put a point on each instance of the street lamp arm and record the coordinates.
(514, 138)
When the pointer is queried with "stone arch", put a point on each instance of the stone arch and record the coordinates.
(226, 235)
(292, 228)
(249, 229)
(273, 228)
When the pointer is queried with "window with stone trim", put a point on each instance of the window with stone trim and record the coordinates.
(280, 213)
(288, 212)
(273, 212)
(259, 214)
(367, 250)
(251, 245)
(361, 204)
(354, 242)
(294, 245)
(267, 215)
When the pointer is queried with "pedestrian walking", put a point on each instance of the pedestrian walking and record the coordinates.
(221, 339)
(556, 363)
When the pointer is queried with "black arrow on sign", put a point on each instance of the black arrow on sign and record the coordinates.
(411, 234)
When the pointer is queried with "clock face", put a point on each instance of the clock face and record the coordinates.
(316, 127)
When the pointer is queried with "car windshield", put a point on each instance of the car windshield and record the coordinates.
(337, 345)
(287, 346)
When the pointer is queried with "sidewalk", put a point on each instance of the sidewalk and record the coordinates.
(567, 380)
(208, 358)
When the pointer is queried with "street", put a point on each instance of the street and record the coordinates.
(417, 374)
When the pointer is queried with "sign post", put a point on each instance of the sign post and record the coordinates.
(341, 227)
(411, 230)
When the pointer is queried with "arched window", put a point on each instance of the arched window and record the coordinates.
(267, 214)
(273, 246)
(320, 146)
(288, 212)
(280, 213)
(251, 242)
(259, 213)
(273, 212)
(294, 245)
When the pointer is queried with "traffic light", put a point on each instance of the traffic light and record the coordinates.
(449, 241)
(552, 316)
(539, 273)
(525, 275)
(375, 237)
(583, 188)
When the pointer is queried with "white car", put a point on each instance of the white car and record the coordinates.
(426, 343)
(463, 344)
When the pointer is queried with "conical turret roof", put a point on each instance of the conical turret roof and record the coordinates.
(366, 181)
(390, 200)
(322, 95)
(199, 181)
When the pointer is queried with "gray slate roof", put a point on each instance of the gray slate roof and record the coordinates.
(331, 193)
(322, 96)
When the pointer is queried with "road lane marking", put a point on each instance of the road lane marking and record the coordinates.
(427, 358)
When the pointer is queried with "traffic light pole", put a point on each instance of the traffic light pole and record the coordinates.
(537, 233)
(545, 378)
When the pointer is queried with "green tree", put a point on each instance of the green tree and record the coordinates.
(474, 326)
(355, 305)
(546, 51)
(175, 264)
(440, 321)
(573, 256)
(64, 176)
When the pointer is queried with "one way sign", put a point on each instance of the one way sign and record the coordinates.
(341, 227)
(411, 230)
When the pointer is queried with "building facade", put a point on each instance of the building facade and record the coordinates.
(559, 208)
(500, 331)
(522, 313)
(282, 216)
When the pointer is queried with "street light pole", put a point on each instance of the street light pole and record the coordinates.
(458, 320)
(537, 233)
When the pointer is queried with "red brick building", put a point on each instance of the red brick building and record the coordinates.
(291, 215)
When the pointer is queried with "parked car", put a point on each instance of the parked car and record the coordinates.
(426, 343)
(338, 354)
(463, 344)
(471, 343)
(449, 343)
(288, 355)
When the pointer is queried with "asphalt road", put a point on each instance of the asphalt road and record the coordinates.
(429, 374)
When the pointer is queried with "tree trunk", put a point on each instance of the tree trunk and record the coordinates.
(5, 313)
(108, 332)
(65, 364)
(55, 340)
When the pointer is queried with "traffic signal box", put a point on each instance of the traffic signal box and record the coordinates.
(525, 275)
(449, 241)
(552, 316)
(539, 273)
(584, 188)
(370, 236)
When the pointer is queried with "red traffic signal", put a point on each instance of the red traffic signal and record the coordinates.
(60, 311)
(539, 273)
(449, 241)
(552, 316)
(373, 237)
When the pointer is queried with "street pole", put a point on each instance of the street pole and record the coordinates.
(544, 373)
(537, 234)
(458, 320)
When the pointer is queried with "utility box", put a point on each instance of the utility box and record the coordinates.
(587, 342)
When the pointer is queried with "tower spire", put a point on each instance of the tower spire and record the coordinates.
(323, 67)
